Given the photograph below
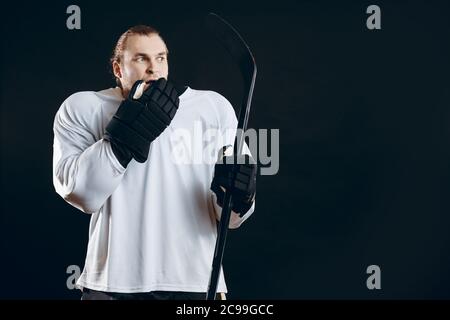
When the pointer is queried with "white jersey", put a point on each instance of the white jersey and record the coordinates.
(153, 224)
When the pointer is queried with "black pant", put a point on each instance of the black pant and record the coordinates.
(89, 294)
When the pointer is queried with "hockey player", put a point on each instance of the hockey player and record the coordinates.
(153, 219)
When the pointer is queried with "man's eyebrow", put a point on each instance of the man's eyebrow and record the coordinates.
(139, 54)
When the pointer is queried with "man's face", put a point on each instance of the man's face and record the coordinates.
(144, 58)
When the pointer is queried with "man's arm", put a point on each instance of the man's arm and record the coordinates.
(85, 171)
(228, 126)
(243, 186)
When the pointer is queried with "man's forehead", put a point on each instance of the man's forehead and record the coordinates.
(151, 44)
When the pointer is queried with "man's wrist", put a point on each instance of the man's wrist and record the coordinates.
(123, 155)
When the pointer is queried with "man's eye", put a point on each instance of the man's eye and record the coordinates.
(161, 59)
(140, 59)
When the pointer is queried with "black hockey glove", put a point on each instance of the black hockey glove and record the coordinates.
(138, 122)
(242, 187)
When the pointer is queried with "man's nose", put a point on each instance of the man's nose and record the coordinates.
(151, 67)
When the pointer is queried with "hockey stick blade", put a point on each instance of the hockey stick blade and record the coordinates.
(233, 43)
(240, 52)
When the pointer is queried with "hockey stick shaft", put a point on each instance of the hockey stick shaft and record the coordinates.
(248, 70)
(220, 246)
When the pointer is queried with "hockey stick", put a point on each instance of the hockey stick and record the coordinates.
(238, 49)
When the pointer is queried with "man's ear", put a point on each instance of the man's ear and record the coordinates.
(117, 70)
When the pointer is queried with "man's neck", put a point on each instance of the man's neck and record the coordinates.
(124, 93)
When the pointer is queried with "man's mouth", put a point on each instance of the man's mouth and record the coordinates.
(151, 80)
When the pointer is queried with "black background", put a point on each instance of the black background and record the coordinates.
(364, 141)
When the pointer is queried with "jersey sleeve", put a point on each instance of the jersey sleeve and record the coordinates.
(85, 170)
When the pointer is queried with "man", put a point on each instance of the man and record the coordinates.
(117, 157)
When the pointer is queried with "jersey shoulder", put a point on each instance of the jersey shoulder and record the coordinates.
(222, 106)
(82, 106)
(213, 96)
(86, 101)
